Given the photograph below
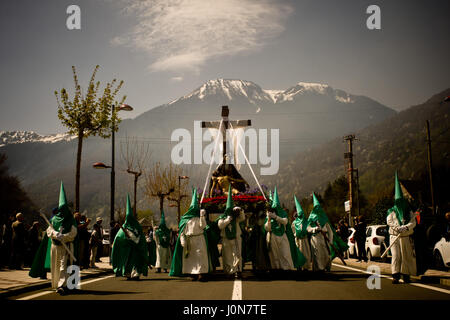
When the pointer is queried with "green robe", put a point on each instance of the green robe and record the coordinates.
(64, 220)
(126, 254)
(298, 258)
(176, 269)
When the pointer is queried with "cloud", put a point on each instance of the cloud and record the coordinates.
(185, 34)
(176, 79)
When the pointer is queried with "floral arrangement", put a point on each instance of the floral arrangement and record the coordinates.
(250, 201)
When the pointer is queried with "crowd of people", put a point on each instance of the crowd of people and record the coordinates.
(268, 240)
(18, 242)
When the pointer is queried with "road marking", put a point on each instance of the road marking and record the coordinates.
(237, 290)
(387, 277)
(40, 294)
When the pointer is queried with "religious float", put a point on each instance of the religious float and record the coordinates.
(253, 201)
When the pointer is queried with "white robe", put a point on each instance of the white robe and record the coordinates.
(231, 248)
(163, 258)
(321, 259)
(59, 256)
(192, 238)
(304, 246)
(403, 255)
(279, 248)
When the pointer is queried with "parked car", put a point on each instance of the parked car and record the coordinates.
(351, 243)
(441, 254)
(377, 237)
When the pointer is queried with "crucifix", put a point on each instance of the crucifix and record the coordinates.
(226, 123)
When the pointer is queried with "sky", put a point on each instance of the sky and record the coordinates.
(164, 49)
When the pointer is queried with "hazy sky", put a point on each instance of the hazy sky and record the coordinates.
(166, 49)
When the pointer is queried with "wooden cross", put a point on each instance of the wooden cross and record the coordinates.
(226, 123)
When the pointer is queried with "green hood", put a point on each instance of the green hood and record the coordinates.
(163, 233)
(300, 223)
(317, 214)
(230, 234)
(63, 218)
(401, 205)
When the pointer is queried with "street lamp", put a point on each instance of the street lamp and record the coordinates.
(124, 107)
(100, 165)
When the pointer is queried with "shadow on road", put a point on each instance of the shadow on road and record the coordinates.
(98, 292)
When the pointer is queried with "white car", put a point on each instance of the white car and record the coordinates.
(375, 241)
(351, 243)
(441, 254)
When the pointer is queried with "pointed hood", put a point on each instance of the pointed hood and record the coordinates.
(317, 214)
(229, 232)
(277, 228)
(130, 221)
(275, 199)
(315, 200)
(230, 203)
(63, 218)
(401, 205)
(299, 208)
(163, 232)
(398, 188)
(300, 223)
(193, 211)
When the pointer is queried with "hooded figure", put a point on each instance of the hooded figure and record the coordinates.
(299, 228)
(319, 228)
(231, 233)
(191, 255)
(283, 252)
(51, 253)
(129, 256)
(401, 221)
(162, 241)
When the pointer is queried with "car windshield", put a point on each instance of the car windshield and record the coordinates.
(382, 231)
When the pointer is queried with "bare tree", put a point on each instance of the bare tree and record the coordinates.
(161, 181)
(135, 155)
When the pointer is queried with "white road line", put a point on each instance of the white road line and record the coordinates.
(40, 294)
(387, 277)
(237, 290)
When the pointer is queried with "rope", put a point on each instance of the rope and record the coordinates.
(212, 160)
(251, 169)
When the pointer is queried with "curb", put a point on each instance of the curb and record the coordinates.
(31, 287)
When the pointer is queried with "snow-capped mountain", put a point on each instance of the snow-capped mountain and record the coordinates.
(306, 115)
(232, 89)
(13, 137)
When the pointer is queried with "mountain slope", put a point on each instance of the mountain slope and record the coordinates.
(398, 143)
(306, 115)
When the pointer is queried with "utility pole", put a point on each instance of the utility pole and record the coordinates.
(349, 166)
(357, 191)
(430, 167)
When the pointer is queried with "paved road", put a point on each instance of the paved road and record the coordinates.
(342, 283)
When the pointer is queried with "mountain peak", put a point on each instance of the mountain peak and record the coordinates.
(13, 137)
(228, 89)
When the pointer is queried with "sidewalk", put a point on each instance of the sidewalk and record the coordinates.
(18, 281)
(430, 276)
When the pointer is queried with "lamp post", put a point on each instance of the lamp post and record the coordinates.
(123, 107)
(100, 165)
